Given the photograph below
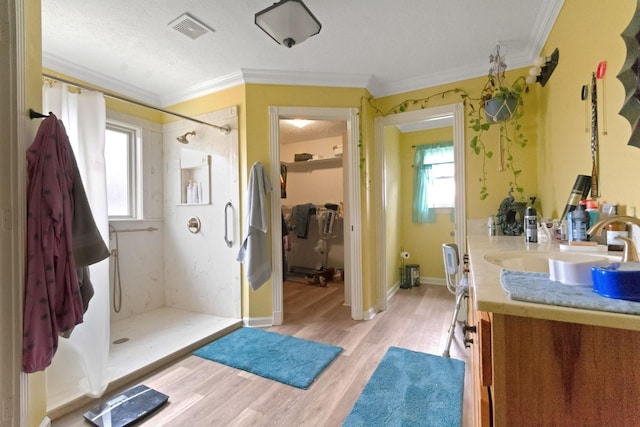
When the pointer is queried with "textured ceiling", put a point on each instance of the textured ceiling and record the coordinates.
(386, 46)
(313, 129)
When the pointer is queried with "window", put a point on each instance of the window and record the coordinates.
(434, 180)
(443, 185)
(121, 160)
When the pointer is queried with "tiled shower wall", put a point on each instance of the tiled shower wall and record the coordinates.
(141, 253)
(170, 266)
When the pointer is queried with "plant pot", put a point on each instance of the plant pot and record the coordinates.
(500, 109)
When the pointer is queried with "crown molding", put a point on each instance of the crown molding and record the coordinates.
(205, 88)
(542, 28)
(59, 65)
(272, 77)
(305, 78)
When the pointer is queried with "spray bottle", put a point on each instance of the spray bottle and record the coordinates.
(531, 223)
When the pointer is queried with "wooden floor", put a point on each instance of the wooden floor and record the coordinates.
(205, 393)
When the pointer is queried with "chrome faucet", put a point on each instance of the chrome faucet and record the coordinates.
(630, 253)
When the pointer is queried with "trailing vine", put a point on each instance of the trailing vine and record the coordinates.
(422, 103)
(510, 130)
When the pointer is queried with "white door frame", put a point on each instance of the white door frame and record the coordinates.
(457, 113)
(16, 138)
(351, 183)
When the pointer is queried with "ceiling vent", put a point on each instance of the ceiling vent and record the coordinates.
(189, 26)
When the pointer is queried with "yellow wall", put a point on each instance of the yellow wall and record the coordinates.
(423, 241)
(369, 217)
(33, 94)
(393, 203)
(498, 181)
(586, 32)
(258, 100)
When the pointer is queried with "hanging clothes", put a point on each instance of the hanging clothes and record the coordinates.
(253, 252)
(301, 215)
(54, 302)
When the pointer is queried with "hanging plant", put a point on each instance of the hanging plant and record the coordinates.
(500, 104)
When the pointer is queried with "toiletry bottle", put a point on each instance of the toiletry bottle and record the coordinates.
(614, 230)
(579, 191)
(580, 223)
(531, 225)
(556, 230)
(594, 214)
(564, 230)
(569, 221)
(544, 233)
(491, 226)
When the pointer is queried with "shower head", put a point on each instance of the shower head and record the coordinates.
(183, 138)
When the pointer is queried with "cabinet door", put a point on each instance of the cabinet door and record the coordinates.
(566, 374)
(481, 365)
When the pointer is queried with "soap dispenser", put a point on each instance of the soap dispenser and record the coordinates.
(580, 223)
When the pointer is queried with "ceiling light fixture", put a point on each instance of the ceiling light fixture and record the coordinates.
(288, 22)
(300, 123)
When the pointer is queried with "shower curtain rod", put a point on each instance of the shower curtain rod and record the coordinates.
(224, 129)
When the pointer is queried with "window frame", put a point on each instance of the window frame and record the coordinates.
(134, 167)
(444, 209)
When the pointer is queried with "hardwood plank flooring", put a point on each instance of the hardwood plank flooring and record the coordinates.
(204, 393)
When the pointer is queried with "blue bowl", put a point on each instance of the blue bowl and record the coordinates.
(620, 280)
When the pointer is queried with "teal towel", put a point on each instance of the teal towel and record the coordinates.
(538, 288)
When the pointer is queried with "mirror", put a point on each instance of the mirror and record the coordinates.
(195, 179)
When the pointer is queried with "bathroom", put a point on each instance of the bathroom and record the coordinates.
(560, 150)
(172, 287)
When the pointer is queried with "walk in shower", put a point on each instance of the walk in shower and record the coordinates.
(172, 288)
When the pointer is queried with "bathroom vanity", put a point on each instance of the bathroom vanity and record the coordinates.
(539, 364)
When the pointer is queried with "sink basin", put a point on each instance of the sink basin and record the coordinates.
(535, 261)
(521, 260)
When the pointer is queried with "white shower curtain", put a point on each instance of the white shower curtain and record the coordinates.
(85, 353)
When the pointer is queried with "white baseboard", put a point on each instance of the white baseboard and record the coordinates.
(432, 281)
(46, 422)
(392, 291)
(369, 314)
(258, 322)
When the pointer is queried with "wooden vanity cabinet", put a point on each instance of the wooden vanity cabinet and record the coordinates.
(481, 364)
(544, 372)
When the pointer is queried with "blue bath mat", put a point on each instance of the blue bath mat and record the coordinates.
(289, 360)
(409, 388)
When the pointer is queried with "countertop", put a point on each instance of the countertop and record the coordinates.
(488, 295)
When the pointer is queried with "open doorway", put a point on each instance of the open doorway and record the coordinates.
(312, 201)
(389, 210)
(334, 224)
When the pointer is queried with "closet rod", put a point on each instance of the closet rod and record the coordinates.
(224, 129)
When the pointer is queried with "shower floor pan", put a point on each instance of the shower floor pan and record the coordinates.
(154, 339)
